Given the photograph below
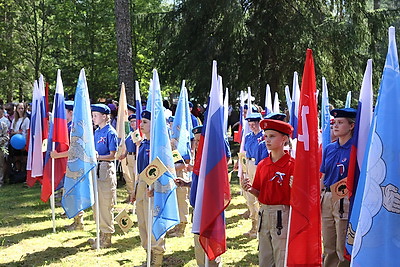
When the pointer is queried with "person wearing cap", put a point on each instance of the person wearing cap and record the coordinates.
(251, 142)
(271, 186)
(195, 121)
(143, 195)
(198, 249)
(106, 143)
(131, 109)
(78, 219)
(130, 155)
(334, 167)
(262, 151)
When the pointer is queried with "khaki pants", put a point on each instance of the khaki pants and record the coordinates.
(251, 200)
(106, 186)
(271, 240)
(142, 200)
(182, 195)
(334, 228)
(128, 168)
(200, 254)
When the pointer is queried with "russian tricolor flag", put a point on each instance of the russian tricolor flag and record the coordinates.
(58, 140)
(213, 191)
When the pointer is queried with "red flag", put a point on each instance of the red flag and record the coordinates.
(304, 240)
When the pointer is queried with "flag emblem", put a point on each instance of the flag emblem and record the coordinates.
(124, 221)
(153, 171)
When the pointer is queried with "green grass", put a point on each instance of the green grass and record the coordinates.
(27, 238)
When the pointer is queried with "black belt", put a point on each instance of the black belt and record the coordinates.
(131, 153)
(252, 159)
(103, 161)
(327, 189)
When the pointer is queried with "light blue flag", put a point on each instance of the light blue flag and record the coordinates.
(295, 105)
(377, 239)
(166, 214)
(78, 183)
(348, 100)
(325, 116)
(182, 125)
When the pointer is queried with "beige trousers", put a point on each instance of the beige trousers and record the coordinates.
(200, 255)
(106, 186)
(251, 200)
(334, 226)
(271, 240)
(182, 195)
(142, 200)
(128, 168)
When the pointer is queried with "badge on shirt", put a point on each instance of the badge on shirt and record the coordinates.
(242, 161)
(153, 171)
(124, 221)
(339, 190)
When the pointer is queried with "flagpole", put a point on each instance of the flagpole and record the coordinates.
(206, 260)
(96, 203)
(52, 202)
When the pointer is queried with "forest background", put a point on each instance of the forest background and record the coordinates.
(254, 41)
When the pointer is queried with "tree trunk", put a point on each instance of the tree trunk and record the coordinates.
(124, 47)
(377, 4)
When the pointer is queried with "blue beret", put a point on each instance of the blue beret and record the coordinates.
(254, 117)
(245, 106)
(197, 129)
(69, 105)
(276, 116)
(102, 108)
(344, 113)
(132, 108)
(132, 116)
(171, 118)
(190, 104)
(146, 114)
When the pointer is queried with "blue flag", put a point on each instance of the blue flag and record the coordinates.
(78, 183)
(377, 239)
(325, 116)
(166, 214)
(182, 126)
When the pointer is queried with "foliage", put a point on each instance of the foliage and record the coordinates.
(254, 42)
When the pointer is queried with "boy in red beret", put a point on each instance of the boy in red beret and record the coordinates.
(272, 188)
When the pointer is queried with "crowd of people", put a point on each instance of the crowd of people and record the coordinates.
(266, 176)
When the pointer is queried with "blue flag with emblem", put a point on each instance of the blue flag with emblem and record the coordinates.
(165, 213)
(377, 239)
(325, 116)
(78, 183)
(182, 126)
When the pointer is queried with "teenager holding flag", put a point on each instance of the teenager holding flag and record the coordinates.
(105, 141)
(335, 162)
(271, 187)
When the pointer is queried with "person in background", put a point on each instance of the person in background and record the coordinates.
(251, 142)
(198, 250)
(271, 186)
(130, 155)
(143, 195)
(195, 121)
(4, 138)
(3, 118)
(131, 109)
(105, 140)
(19, 125)
(10, 112)
(334, 168)
(113, 115)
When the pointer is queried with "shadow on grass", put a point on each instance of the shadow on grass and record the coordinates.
(123, 245)
(50, 255)
(179, 257)
(249, 259)
(237, 206)
(12, 239)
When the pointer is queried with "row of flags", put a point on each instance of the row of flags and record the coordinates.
(372, 182)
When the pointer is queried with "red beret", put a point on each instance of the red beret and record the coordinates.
(276, 125)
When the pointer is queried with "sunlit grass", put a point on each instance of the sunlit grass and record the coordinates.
(27, 238)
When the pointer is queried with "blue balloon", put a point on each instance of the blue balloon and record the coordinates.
(18, 141)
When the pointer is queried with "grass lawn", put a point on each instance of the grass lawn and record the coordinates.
(27, 238)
